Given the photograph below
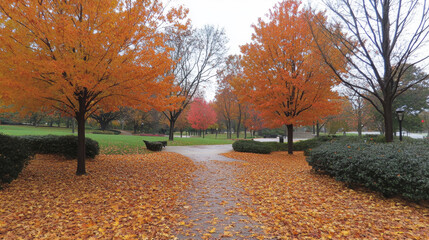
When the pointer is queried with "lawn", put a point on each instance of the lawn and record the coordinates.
(115, 144)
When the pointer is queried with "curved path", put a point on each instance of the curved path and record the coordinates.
(213, 200)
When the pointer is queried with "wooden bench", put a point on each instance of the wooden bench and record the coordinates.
(155, 146)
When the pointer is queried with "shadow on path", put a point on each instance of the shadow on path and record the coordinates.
(213, 202)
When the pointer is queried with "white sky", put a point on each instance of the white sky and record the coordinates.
(235, 16)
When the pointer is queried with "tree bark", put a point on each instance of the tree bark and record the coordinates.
(359, 127)
(317, 129)
(171, 132)
(290, 138)
(388, 122)
(80, 117)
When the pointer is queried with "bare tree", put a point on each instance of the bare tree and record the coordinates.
(197, 53)
(380, 39)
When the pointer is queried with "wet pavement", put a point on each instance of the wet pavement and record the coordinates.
(214, 200)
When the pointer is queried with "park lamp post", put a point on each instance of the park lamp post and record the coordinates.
(400, 112)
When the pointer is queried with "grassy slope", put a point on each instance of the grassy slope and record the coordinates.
(114, 144)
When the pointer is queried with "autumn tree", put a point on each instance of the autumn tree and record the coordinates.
(201, 115)
(197, 53)
(254, 121)
(227, 102)
(182, 122)
(285, 79)
(384, 39)
(81, 56)
(105, 118)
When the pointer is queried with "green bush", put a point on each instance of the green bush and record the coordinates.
(14, 155)
(276, 146)
(251, 146)
(390, 168)
(60, 145)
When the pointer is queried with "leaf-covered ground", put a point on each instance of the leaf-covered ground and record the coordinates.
(158, 195)
(291, 202)
(123, 196)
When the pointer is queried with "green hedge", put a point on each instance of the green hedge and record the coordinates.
(14, 155)
(390, 168)
(60, 145)
(251, 146)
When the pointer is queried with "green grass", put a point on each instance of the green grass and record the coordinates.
(115, 144)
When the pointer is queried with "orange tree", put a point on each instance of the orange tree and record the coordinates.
(284, 78)
(226, 103)
(80, 56)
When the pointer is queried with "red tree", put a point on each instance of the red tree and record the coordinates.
(201, 115)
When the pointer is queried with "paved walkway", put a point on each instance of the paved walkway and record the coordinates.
(212, 202)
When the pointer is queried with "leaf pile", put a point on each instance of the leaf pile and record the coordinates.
(292, 202)
(123, 196)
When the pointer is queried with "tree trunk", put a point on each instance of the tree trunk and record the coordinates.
(359, 127)
(135, 127)
(314, 129)
(103, 125)
(388, 122)
(80, 117)
(59, 120)
(204, 132)
(171, 132)
(290, 138)
(317, 129)
(245, 132)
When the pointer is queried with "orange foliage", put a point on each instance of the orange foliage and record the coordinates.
(291, 202)
(227, 103)
(80, 56)
(285, 78)
(110, 53)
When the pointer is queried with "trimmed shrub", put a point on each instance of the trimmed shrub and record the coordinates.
(251, 146)
(14, 155)
(276, 146)
(154, 146)
(309, 144)
(60, 145)
(390, 168)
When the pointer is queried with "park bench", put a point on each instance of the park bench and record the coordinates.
(155, 146)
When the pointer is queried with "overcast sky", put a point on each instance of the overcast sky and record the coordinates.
(235, 16)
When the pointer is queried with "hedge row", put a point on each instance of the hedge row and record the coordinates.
(14, 155)
(251, 146)
(304, 145)
(390, 168)
(16, 151)
(60, 145)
